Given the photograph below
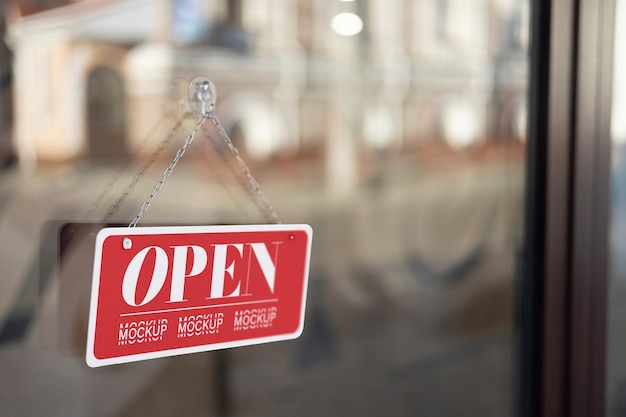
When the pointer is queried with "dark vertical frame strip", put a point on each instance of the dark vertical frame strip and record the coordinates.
(562, 299)
(557, 233)
(529, 309)
(544, 285)
(591, 182)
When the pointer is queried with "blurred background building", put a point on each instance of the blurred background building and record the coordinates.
(91, 77)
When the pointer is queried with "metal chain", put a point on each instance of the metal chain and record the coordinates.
(269, 210)
(142, 171)
(168, 171)
(237, 175)
(213, 145)
(122, 170)
(206, 88)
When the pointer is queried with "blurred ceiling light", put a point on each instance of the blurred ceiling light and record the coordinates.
(347, 24)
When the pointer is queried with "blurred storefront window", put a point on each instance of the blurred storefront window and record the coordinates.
(402, 145)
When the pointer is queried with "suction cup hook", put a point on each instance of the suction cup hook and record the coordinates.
(201, 96)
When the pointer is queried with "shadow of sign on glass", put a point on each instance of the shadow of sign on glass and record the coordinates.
(163, 291)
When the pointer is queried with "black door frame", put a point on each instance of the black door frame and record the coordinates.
(562, 308)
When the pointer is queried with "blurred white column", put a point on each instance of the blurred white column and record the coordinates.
(387, 52)
(292, 61)
(345, 109)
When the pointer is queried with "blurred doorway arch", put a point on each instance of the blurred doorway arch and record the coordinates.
(106, 124)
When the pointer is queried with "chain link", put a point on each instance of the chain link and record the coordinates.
(237, 174)
(256, 188)
(214, 148)
(167, 172)
(142, 171)
(121, 171)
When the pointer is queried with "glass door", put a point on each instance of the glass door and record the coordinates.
(397, 129)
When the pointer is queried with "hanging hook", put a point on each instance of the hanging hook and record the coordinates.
(201, 96)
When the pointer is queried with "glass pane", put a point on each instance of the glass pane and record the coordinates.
(395, 128)
(616, 362)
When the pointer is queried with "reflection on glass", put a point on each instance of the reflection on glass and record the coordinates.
(616, 359)
(402, 146)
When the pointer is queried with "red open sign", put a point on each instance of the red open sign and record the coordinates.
(163, 291)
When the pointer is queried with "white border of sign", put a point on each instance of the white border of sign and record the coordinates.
(93, 362)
